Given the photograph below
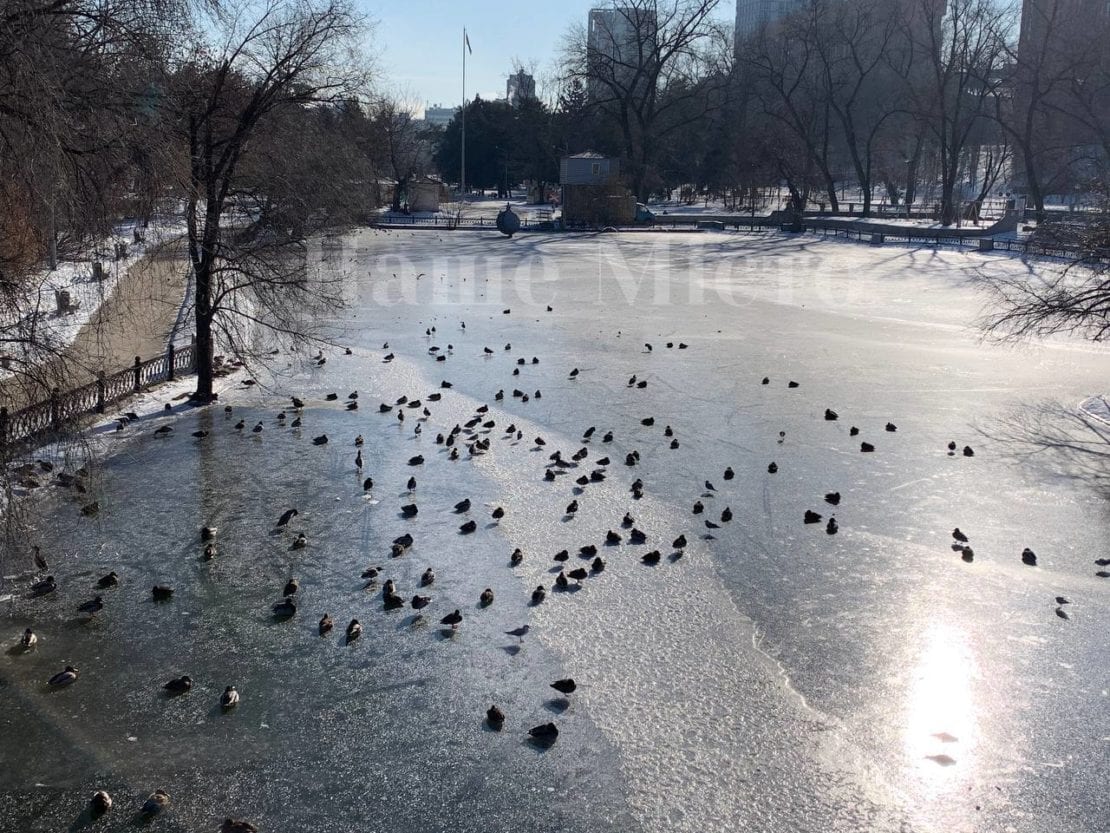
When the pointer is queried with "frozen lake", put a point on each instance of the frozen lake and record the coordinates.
(774, 678)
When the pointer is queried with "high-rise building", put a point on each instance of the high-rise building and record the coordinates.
(438, 115)
(1060, 91)
(752, 14)
(620, 46)
(520, 86)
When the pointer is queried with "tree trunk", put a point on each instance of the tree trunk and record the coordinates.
(204, 346)
(1033, 184)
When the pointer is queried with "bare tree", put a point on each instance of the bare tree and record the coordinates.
(403, 144)
(785, 67)
(245, 71)
(952, 73)
(644, 63)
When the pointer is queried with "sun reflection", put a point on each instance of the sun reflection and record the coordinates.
(941, 727)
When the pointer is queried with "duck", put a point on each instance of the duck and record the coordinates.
(637, 537)
(539, 594)
(325, 625)
(679, 543)
(285, 608)
(698, 508)
(729, 473)
(29, 640)
(498, 513)
(93, 606)
(257, 428)
(959, 536)
(967, 554)
(410, 510)
(300, 542)
(812, 517)
(726, 515)
(321, 440)
(832, 498)
(286, 517)
(230, 698)
(572, 507)
(179, 685)
(208, 533)
(157, 801)
(162, 593)
(516, 558)
(486, 599)
(561, 581)
(468, 527)
(462, 506)
(100, 803)
(613, 538)
(495, 717)
(210, 551)
(354, 631)
(853, 431)
(453, 619)
(237, 826)
(567, 686)
(68, 676)
(110, 580)
(392, 601)
(579, 574)
(42, 588)
(832, 527)
(427, 578)
(651, 557)
(891, 427)
(866, 448)
(968, 451)
(420, 602)
(1028, 557)
(773, 468)
(831, 415)
(291, 587)
(544, 733)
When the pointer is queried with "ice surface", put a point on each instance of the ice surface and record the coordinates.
(774, 678)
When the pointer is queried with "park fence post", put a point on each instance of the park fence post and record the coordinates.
(138, 374)
(3, 429)
(169, 362)
(100, 391)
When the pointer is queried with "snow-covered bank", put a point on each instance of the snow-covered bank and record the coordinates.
(40, 320)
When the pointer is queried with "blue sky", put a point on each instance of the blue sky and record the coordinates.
(419, 43)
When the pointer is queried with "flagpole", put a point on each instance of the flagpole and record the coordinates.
(462, 178)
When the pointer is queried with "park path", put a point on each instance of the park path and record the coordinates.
(136, 320)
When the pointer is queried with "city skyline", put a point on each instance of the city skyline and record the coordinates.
(432, 73)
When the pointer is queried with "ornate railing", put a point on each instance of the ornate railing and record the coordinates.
(62, 408)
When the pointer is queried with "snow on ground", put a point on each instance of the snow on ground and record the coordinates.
(58, 330)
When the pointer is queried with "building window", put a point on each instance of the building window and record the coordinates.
(595, 169)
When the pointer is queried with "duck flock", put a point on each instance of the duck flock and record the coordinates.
(573, 469)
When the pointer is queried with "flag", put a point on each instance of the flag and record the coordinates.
(466, 40)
